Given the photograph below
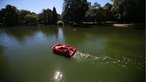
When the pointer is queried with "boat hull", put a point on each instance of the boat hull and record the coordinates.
(64, 50)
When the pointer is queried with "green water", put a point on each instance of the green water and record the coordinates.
(105, 54)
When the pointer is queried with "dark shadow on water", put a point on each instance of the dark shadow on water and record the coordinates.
(3, 65)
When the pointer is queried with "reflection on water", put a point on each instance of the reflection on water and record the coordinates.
(103, 59)
(60, 35)
(57, 76)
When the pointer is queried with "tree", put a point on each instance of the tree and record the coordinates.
(131, 11)
(45, 17)
(10, 16)
(27, 18)
(107, 11)
(54, 16)
(96, 13)
(31, 19)
(91, 14)
(1, 16)
(74, 11)
(22, 16)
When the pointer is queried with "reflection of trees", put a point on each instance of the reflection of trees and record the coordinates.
(21, 33)
(2, 58)
(3, 63)
(74, 36)
(49, 30)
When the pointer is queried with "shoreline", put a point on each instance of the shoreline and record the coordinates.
(87, 24)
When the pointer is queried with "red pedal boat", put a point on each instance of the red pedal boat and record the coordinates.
(64, 50)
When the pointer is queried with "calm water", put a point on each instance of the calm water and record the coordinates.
(105, 54)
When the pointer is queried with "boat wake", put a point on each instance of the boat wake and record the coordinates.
(98, 59)
(79, 56)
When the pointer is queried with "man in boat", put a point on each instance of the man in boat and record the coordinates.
(66, 50)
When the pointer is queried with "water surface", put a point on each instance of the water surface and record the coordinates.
(105, 54)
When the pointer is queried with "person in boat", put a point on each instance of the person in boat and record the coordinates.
(66, 50)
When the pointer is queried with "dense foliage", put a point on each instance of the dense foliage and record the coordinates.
(96, 13)
(132, 11)
(11, 16)
(122, 11)
(77, 12)
(54, 16)
(45, 16)
(74, 11)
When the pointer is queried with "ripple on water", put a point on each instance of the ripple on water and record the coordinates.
(122, 61)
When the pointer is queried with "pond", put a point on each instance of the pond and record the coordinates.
(104, 54)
